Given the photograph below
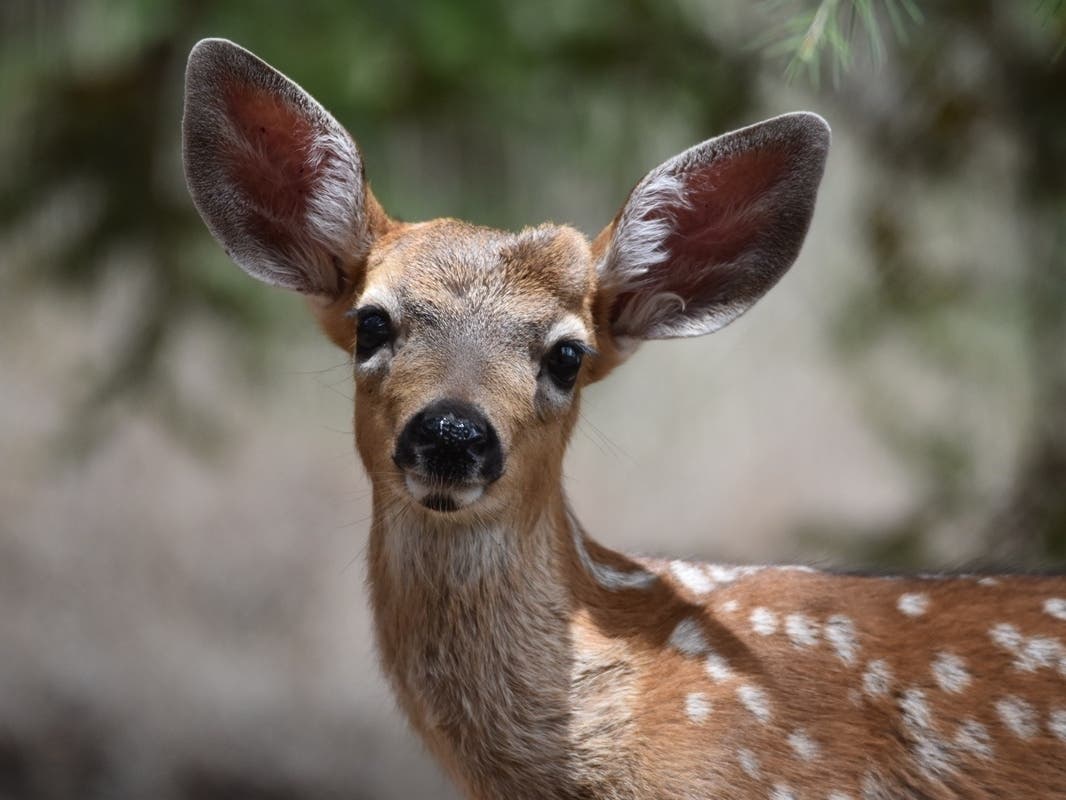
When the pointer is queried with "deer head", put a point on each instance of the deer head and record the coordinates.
(471, 346)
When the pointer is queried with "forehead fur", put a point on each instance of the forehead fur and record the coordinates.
(447, 263)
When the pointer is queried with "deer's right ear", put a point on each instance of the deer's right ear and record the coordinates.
(277, 180)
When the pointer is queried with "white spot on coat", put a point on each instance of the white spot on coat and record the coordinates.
(1018, 715)
(1037, 652)
(688, 638)
(782, 791)
(913, 604)
(932, 753)
(915, 710)
(950, 672)
(973, 736)
(804, 746)
(724, 574)
(873, 788)
(1057, 723)
(801, 630)
(840, 633)
(763, 621)
(692, 577)
(730, 606)
(697, 706)
(1006, 636)
(718, 668)
(877, 679)
(755, 700)
(749, 762)
(1056, 607)
(1030, 653)
(838, 796)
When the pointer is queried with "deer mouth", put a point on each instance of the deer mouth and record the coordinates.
(442, 497)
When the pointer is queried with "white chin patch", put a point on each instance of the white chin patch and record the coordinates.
(440, 498)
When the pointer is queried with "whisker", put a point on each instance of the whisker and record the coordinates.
(337, 430)
(616, 448)
(322, 371)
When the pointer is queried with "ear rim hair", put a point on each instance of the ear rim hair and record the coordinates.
(632, 250)
(323, 249)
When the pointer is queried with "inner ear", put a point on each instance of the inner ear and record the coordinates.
(275, 161)
(724, 208)
(707, 233)
(720, 212)
(277, 180)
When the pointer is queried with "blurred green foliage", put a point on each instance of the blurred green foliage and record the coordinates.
(442, 97)
(809, 30)
(1015, 86)
(462, 108)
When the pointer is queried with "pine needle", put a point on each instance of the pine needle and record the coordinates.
(826, 28)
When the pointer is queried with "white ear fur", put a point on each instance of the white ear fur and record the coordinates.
(705, 234)
(639, 240)
(277, 180)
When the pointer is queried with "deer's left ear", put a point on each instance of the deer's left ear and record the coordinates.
(706, 234)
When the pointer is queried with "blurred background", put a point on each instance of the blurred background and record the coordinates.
(182, 516)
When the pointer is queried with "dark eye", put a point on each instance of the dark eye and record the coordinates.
(563, 362)
(374, 329)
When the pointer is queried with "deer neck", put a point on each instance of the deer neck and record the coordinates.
(472, 627)
(473, 624)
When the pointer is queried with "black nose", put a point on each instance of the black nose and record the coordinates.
(450, 440)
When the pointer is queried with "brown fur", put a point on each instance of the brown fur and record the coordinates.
(528, 678)
(534, 662)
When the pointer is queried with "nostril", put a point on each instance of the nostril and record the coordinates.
(477, 442)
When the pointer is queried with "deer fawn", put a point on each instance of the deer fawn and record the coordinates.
(534, 662)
